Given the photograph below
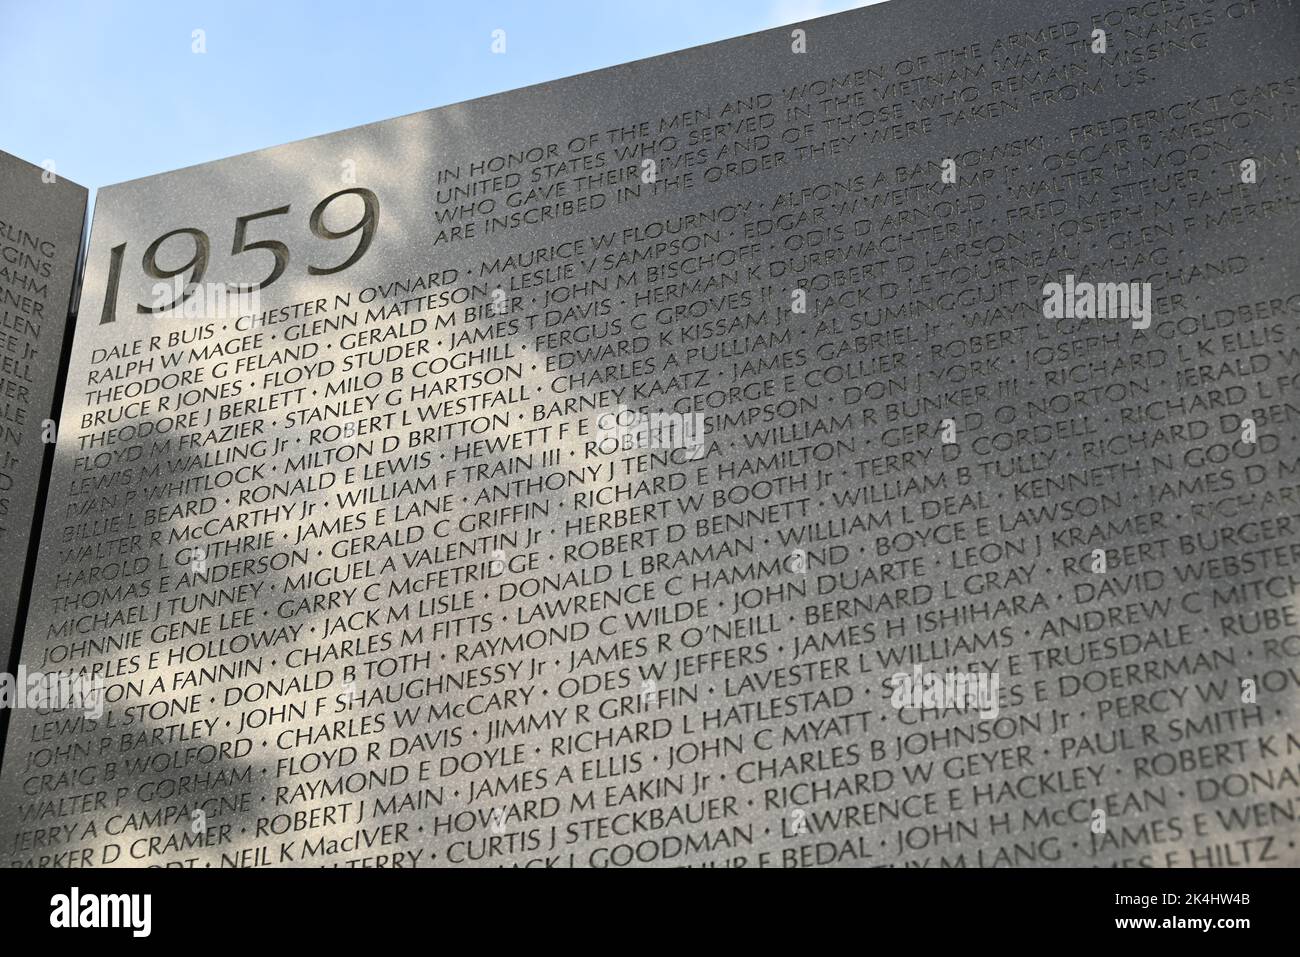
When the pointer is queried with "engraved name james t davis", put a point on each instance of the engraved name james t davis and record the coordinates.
(41, 220)
(871, 441)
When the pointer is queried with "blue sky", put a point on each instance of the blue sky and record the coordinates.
(110, 90)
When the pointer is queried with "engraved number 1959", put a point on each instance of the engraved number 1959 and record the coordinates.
(196, 266)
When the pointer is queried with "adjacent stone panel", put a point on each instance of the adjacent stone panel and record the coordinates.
(42, 217)
(381, 569)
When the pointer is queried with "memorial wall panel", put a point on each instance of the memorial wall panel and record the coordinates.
(866, 442)
(42, 217)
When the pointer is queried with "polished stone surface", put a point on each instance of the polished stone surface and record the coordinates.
(41, 221)
(367, 587)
